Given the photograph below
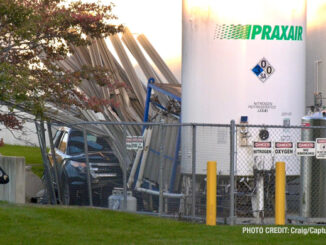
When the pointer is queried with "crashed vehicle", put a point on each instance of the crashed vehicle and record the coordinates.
(105, 171)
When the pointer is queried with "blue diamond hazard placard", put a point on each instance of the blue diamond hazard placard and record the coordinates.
(263, 69)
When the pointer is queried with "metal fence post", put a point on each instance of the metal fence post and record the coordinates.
(161, 168)
(47, 173)
(54, 159)
(193, 172)
(124, 169)
(232, 164)
(89, 184)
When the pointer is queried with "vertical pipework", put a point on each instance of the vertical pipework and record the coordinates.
(232, 164)
(317, 62)
(193, 172)
(306, 163)
(175, 162)
(124, 169)
(280, 194)
(55, 163)
(162, 133)
(148, 100)
(48, 176)
(211, 193)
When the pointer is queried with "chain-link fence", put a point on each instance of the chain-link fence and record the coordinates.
(160, 168)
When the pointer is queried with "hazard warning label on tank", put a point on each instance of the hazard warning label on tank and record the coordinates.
(283, 148)
(262, 148)
(306, 148)
(321, 148)
(262, 106)
(263, 70)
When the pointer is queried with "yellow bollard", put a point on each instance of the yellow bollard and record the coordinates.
(211, 194)
(280, 194)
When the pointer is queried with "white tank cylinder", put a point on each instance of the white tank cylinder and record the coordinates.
(243, 58)
(240, 58)
(115, 201)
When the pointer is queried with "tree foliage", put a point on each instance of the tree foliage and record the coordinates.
(34, 36)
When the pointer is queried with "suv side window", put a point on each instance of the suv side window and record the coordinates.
(63, 143)
(57, 138)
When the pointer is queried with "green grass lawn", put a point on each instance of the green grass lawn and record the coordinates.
(32, 156)
(61, 225)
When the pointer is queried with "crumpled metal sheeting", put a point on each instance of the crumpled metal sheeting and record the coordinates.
(131, 101)
(158, 61)
(153, 160)
(145, 66)
(135, 50)
(130, 71)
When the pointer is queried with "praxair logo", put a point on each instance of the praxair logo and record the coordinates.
(259, 32)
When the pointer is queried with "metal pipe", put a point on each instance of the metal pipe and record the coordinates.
(232, 164)
(305, 186)
(317, 62)
(148, 99)
(161, 168)
(157, 193)
(55, 162)
(89, 184)
(143, 161)
(175, 161)
(193, 209)
(136, 163)
(124, 169)
(187, 124)
(48, 177)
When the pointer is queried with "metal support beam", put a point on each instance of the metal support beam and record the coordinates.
(232, 165)
(89, 183)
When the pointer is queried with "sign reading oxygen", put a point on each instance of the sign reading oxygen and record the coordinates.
(283, 148)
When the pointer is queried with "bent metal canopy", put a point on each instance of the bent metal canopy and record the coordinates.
(131, 101)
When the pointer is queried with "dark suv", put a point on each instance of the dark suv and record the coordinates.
(105, 171)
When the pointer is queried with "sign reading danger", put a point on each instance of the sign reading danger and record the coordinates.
(283, 148)
(262, 148)
(306, 148)
(321, 148)
(135, 142)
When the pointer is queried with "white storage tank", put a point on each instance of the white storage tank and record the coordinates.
(240, 58)
(316, 51)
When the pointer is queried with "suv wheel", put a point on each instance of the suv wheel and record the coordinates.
(67, 194)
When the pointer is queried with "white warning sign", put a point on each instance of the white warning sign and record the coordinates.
(135, 142)
(306, 148)
(321, 148)
(283, 148)
(262, 148)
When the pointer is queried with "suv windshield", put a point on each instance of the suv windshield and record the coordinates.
(76, 143)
